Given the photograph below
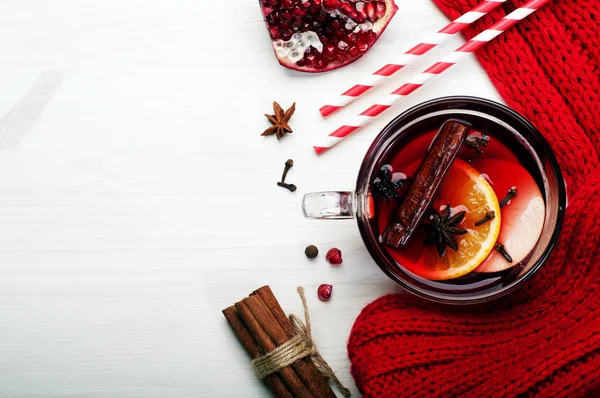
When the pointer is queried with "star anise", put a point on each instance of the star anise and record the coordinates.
(384, 187)
(280, 121)
(443, 229)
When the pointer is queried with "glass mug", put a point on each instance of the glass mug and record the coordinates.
(483, 115)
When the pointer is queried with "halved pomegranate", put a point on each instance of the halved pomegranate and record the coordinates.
(322, 35)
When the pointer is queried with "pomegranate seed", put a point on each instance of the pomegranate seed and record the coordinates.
(285, 15)
(362, 46)
(316, 2)
(329, 50)
(339, 33)
(284, 25)
(299, 12)
(331, 4)
(334, 256)
(322, 16)
(301, 63)
(353, 51)
(275, 3)
(360, 17)
(274, 32)
(305, 5)
(380, 10)
(324, 292)
(343, 46)
(274, 18)
(305, 27)
(348, 10)
(370, 10)
(335, 24)
(287, 3)
(287, 34)
(320, 64)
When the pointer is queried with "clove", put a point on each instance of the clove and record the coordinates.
(290, 187)
(489, 215)
(474, 142)
(288, 165)
(509, 195)
(500, 249)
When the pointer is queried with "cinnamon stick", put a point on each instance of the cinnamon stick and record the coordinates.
(311, 376)
(273, 381)
(289, 376)
(426, 182)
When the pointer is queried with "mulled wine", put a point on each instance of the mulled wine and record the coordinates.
(460, 205)
(459, 200)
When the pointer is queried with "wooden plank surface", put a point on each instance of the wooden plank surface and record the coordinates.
(141, 201)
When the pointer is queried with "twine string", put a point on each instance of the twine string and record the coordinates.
(298, 347)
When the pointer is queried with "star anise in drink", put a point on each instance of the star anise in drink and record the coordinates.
(443, 229)
(384, 187)
(280, 121)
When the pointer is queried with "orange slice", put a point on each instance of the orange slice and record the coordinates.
(466, 190)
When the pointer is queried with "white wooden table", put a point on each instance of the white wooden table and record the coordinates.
(137, 198)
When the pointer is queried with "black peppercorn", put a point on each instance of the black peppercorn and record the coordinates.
(311, 251)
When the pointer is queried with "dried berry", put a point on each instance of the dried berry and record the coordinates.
(383, 186)
(334, 256)
(324, 292)
(311, 251)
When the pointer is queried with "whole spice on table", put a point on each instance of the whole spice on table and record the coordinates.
(426, 181)
(288, 165)
(279, 121)
(311, 251)
(291, 187)
(264, 330)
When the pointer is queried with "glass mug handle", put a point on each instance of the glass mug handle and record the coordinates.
(331, 205)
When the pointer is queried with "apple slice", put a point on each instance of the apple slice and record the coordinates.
(522, 218)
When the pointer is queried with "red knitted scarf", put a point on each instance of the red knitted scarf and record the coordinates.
(543, 340)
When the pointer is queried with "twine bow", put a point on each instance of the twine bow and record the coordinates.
(298, 347)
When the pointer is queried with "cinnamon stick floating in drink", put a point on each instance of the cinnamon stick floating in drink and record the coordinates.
(273, 381)
(426, 182)
(306, 369)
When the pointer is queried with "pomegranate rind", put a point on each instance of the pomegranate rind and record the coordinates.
(378, 28)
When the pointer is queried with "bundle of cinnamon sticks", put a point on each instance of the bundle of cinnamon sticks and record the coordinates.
(261, 326)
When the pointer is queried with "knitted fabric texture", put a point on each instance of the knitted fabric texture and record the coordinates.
(543, 340)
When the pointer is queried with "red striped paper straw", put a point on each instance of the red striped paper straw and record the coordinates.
(468, 48)
(388, 70)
